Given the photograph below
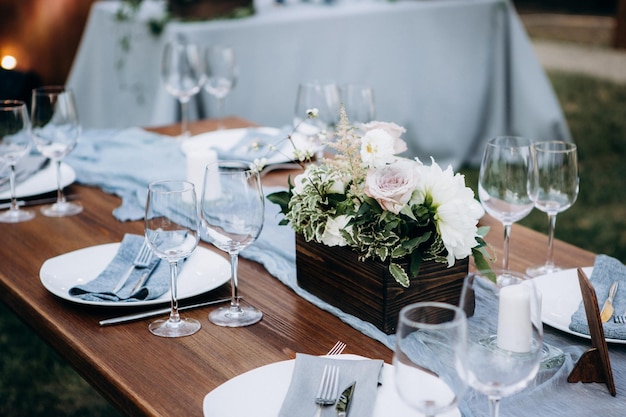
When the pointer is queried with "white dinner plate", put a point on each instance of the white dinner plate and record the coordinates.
(261, 392)
(203, 271)
(561, 297)
(41, 182)
(228, 138)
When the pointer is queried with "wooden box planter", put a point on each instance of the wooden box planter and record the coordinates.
(205, 9)
(366, 289)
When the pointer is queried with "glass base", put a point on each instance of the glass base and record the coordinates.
(235, 316)
(167, 328)
(535, 271)
(551, 357)
(16, 216)
(62, 209)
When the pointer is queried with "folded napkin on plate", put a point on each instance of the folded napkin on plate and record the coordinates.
(257, 144)
(100, 288)
(605, 271)
(306, 377)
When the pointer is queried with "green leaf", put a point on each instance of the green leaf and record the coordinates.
(282, 199)
(482, 264)
(399, 275)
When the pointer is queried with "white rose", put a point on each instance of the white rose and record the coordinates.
(377, 148)
(332, 233)
(393, 185)
(300, 182)
(392, 129)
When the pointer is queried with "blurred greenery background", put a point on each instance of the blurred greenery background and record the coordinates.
(36, 382)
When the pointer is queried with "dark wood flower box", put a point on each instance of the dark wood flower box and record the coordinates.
(205, 9)
(366, 289)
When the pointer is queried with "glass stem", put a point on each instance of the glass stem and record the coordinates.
(494, 407)
(14, 205)
(234, 301)
(505, 250)
(60, 196)
(551, 226)
(220, 110)
(184, 129)
(174, 316)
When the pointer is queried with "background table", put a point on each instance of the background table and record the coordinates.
(453, 72)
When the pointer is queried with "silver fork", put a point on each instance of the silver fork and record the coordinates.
(619, 319)
(337, 349)
(329, 387)
(142, 260)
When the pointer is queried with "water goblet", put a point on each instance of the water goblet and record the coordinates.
(15, 143)
(56, 131)
(554, 188)
(182, 72)
(323, 96)
(358, 102)
(232, 209)
(429, 359)
(172, 232)
(221, 72)
(504, 334)
(503, 182)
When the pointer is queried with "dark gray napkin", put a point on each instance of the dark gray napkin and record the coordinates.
(605, 270)
(255, 144)
(99, 289)
(306, 377)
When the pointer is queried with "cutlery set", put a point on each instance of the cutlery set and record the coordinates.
(328, 391)
(608, 309)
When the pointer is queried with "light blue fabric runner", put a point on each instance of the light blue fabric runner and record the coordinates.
(123, 162)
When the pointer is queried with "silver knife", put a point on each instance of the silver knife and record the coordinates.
(151, 313)
(343, 403)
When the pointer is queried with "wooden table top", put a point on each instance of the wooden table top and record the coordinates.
(144, 375)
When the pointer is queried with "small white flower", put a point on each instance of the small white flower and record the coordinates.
(312, 113)
(377, 148)
(332, 233)
(258, 164)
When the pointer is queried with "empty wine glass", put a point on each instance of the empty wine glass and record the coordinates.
(221, 72)
(182, 72)
(232, 208)
(429, 360)
(172, 231)
(554, 188)
(504, 335)
(56, 130)
(323, 96)
(358, 101)
(15, 143)
(503, 182)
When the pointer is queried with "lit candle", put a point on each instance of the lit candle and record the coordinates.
(514, 324)
(197, 160)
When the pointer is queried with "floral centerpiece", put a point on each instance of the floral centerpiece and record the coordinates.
(399, 211)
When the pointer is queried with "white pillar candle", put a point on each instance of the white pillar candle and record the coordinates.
(514, 319)
(197, 160)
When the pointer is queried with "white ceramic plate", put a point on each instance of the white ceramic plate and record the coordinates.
(264, 391)
(203, 271)
(43, 181)
(561, 297)
(228, 138)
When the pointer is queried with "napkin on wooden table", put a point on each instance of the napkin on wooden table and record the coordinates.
(100, 288)
(306, 377)
(605, 270)
(256, 144)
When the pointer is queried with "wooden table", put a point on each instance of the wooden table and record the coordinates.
(144, 375)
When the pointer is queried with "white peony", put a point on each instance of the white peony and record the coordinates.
(332, 233)
(457, 211)
(377, 148)
(393, 129)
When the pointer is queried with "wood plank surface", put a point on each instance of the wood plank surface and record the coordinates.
(144, 375)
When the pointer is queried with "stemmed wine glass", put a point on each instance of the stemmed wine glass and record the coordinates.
(429, 360)
(182, 72)
(358, 101)
(172, 232)
(504, 336)
(56, 130)
(15, 143)
(503, 182)
(221, 72)
(323, 96)
(232, 209)
(554, 188)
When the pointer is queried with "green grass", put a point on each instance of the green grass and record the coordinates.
(36, 382)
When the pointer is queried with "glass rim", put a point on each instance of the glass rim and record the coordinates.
(492, 141)
(458, 318)
(563, 146)
(229, 163)
(162, 186)
(11, 104)
(51, 89)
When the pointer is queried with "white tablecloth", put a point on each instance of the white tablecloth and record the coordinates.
(453, 72)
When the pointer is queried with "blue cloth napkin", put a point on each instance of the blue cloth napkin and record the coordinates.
(256, 144)
(306, 377)
(99, 289)
(605, 270)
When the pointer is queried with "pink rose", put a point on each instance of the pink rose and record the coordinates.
(393, 185)
(392, 129)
